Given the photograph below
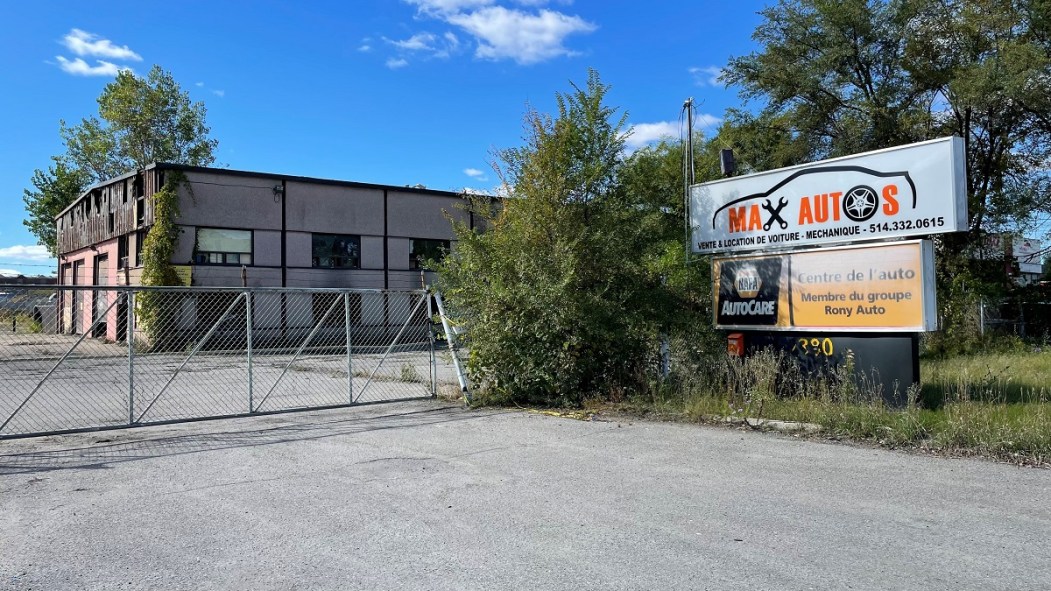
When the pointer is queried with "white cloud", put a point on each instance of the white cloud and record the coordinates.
(20, 252)
(395, 63)
(451, 6)
(365, 48)
(88, 44)
(644, 134)
(525, 36)
(501, 190)
(475, 174)
(513, 34)
(703, 120)
(706, 76)
(216, 91)
(452, 44)
(9, 273)
(428, 43)
(418, 42)
(440, 7)
(79, 67)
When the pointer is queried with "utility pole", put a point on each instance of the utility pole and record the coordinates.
(687, 169)
(690, 178)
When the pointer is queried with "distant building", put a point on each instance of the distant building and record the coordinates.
(283, 231)
(28, 279)
(1023, 258)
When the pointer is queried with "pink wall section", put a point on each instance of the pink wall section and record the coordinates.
(78, 317)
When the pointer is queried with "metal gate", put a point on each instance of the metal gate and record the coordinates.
(156, 355)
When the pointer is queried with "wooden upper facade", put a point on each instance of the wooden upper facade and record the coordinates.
(115, 208)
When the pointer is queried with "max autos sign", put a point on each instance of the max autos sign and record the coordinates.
(877, 287)
(911, 190)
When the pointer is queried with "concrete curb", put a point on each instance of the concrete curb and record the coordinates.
(771, 424)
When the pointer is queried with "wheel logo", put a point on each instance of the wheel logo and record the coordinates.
(860, 203)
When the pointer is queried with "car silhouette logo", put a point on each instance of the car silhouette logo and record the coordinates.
(859, 203)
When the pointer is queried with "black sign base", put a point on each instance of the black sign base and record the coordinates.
(890, 362)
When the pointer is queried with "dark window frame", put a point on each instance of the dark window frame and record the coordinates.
(316, 257)
(140, 240)
(224, 258)
(416, 259)
(122, 251)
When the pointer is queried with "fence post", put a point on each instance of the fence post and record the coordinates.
(430, 338)
(129, 299)
(1021, 318)
(350, 364)
(248, 337)
(981, 316)
(665, 348)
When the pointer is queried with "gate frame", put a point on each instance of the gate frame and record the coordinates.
(126, 295)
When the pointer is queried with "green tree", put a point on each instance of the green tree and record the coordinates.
(651, 184)
(141, 120)
(839, 77)
(53, 189)
(556, 295)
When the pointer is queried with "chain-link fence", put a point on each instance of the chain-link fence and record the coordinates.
(76, 358)
(1026, 318)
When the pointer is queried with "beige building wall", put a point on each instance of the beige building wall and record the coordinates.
(225, 200)
(333, 209)
(412, 215)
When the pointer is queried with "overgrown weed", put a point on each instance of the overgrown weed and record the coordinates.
(991, 406)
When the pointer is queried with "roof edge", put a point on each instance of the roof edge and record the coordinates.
(256, 174)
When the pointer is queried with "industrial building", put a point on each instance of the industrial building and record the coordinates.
(239, 228)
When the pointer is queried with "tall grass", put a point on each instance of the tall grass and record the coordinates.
(997, 406)
(1016, 377)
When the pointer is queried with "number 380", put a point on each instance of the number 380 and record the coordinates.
(816, 346)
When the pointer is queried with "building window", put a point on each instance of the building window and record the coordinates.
(422, 250)
(122, 252)
(335, 251)
(140, 238)
(219, 246)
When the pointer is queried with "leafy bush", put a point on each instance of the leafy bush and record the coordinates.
(562, 296)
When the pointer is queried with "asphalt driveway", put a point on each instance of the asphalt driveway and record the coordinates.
(424, 495)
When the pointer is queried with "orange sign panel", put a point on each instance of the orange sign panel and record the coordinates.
(878, 288)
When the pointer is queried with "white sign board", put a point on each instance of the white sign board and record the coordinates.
(911, 190)
(1028, 253)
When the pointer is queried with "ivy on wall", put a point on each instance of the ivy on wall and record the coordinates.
(159, 245)
(152, 307)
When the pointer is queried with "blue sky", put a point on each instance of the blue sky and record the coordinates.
(386, 91)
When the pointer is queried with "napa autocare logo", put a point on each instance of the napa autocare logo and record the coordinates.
(748, 292)
(747, 282)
